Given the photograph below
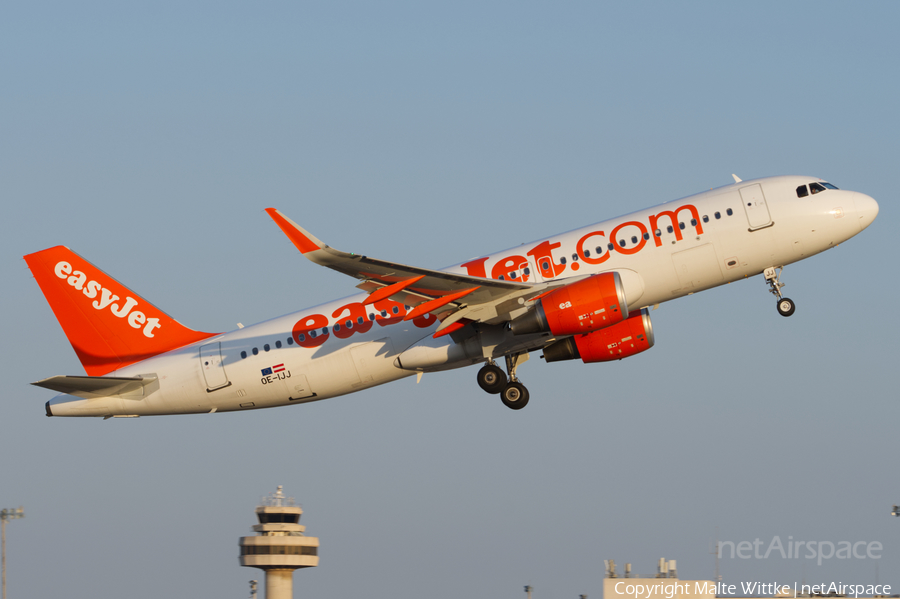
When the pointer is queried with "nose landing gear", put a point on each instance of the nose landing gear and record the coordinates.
(784, 305)
(492, 379)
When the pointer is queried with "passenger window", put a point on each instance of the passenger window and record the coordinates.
(634, 239)
(396, 309)
(407, 309)
(384, 313)
(587, 253)
(562, 260)
(501, 277)
(622, 242)
(646, 236)
(816, 188)
(301, 337)
(290, 341)
(545, 265)
(706, 218)
(599, 249)
(681, 226)
(512, 275)
(611, 246)
(243, 355)
(717, 215)
(266, 347)
(802, 191)
(729, 212)
(574, 257)
(669, 229)
(371, 318)
(337, 327)
(693, 222)
(278, 343)
(324, 330)
(658, 233)
(349, 324)
(527, 271)
(255, 351)
(360, 320)
(313, 334)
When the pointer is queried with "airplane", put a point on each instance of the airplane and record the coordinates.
(585, 294)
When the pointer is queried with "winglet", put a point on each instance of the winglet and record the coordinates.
(301, 238)
(736, 178)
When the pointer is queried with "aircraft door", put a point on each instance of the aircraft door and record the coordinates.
(528, 271)
(755, 206)
(544, 267)
(213, 366)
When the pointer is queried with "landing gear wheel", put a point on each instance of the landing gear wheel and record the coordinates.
(491, 378)
(785, 306)
(514, 396)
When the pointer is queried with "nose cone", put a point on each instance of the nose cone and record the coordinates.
(866, 210)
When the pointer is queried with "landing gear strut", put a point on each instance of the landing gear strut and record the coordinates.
(514, 395)
(784, 305)
(492, 379)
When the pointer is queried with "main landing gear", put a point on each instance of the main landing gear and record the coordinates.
(492, 379)
(784, 305)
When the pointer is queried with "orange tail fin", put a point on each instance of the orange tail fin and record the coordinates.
(108, 325)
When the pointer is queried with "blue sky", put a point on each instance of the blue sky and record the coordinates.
(150, 139)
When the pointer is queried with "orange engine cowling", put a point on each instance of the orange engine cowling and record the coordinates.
(631, 336)
(590, 304)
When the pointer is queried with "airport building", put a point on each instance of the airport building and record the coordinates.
(665, 584)
(279, 547)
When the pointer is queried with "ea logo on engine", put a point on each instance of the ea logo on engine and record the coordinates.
(565, 305)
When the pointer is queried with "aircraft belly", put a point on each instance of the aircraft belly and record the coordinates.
(697, 268)
(360, 365)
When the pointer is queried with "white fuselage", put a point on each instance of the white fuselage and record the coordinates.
(717, 237)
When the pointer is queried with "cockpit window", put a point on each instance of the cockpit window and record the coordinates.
(802, 191)
(828, 185)
(815, 188)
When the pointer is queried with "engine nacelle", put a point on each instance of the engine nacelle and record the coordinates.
(588, 305)
(627, 338)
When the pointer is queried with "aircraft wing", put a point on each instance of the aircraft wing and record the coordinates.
(453, 297)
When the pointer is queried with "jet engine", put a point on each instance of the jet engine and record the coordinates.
(626, 338)
(587, 305)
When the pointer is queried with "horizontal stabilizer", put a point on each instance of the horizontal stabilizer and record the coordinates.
(89, 387)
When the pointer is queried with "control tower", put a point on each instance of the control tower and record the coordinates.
(279, 546)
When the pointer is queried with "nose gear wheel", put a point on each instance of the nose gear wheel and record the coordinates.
(785, 306)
